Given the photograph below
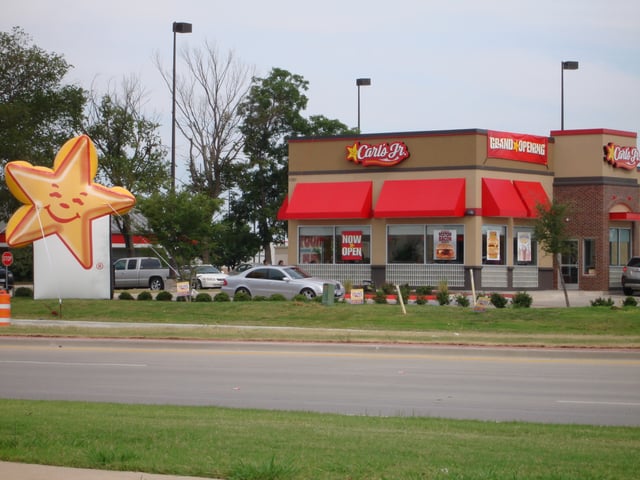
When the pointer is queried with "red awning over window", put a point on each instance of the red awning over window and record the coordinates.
(501, 199)
(421, 198)
(532, 194)
(628, 216)
(329, 200)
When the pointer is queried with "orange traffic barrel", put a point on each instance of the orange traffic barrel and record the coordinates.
(5, 309)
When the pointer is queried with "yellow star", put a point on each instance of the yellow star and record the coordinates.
(63, 201)
(352, 152)
(516, 145)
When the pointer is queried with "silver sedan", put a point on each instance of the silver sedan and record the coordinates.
(288, 281)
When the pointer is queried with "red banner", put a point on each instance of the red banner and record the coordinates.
(518, 147)
(352, 246)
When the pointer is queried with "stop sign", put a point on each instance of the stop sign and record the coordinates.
(7, 258)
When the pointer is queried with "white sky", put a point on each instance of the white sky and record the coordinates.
(434, 65)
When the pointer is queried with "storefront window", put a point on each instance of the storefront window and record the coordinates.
(494, 245)
(525, 248)
(315, 245)
(405, 243)
(353, 244)
(589, 256)
(344, 244)
(445, 244)
(619, 246)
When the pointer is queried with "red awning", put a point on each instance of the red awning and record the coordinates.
(329, 200)
(532, 194)
(282, 211)
(500, 199)
(629, 216)
(421, 198)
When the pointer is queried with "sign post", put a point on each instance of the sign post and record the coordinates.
(7, 260)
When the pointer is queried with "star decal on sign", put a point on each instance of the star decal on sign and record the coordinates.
(352, 152)
(62, 201)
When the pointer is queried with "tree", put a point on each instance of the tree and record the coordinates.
(550, 230)
(38, 114)
(235, 243)
(182, 223)
(207, 106)
(130, 150)
(271, 114)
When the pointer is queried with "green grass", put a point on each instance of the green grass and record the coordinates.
(578, 326)
(249, 444)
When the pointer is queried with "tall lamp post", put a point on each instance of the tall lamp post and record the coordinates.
(566, 65)
(178, 27)
(360, 82)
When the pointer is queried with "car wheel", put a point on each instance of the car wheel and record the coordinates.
(627, 291)
(156, 284)
(198, 284)
(243, 290)
(307, 292)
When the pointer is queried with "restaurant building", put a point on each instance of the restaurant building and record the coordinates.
(459, 206)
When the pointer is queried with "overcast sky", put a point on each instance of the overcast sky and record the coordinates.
(434, 65)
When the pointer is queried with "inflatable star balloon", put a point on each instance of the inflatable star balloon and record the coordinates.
(62, 201)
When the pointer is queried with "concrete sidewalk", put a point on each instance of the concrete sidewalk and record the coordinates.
(26, 471)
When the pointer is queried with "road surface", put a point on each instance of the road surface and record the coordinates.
(551, 386)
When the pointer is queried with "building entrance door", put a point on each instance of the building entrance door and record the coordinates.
(569, 267)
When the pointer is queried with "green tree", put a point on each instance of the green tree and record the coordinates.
(272, 114)
(550, 231)
(235, 243)
(130, 151)
(182, 222)
(38, 113)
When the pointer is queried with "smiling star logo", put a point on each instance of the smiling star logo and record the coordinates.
(62, 201)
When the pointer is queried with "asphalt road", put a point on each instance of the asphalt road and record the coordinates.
(551, 386)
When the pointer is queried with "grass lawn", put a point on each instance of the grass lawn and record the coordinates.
(312, 321)
(250, 445)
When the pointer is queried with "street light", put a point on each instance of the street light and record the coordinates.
(178, 27)
(567, 65)
(361, 82)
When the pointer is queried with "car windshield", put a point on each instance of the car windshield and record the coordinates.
(295, 272)
(207, 269)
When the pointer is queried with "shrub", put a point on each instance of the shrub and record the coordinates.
(241, 297)
(164, 296)
(443, 293)
(522, 300)
(380, 297)
(462, 300)
(145, 295)
(23, 292)
(260, 298)
(278, 297)
(125, 296)
(421, 300)
(405, 290)
(601, 302)
(629, 302)
(427, 290)
(389, 288)
(222, 297)
(203, 297)
(498, 300)
(300, 298)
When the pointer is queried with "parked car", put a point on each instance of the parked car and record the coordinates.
(241, 268)
(268, 280)
(631, 276)
(6, 279)
(139, 272)
(206, 276)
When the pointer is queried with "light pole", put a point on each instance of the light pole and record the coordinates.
(359, 83)
(566, 65)
(178, 27)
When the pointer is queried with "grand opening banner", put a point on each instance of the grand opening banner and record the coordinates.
(518, 147)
